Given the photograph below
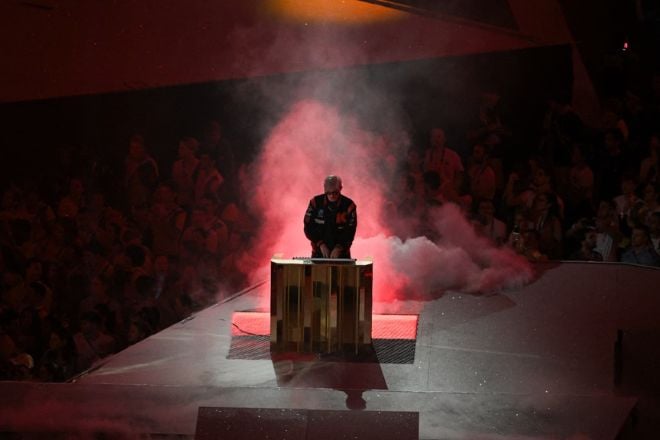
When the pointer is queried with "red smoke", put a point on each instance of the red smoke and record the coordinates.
(314, 140)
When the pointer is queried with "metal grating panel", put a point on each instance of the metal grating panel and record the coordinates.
(387, 351)
(395, 351)
(394, 338)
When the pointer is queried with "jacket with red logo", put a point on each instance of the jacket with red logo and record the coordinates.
(331, 223)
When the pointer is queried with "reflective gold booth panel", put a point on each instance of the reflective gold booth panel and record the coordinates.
(320, 305)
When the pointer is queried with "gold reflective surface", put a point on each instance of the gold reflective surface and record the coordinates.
(321, 307)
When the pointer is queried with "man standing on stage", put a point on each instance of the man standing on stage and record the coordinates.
(331, 221)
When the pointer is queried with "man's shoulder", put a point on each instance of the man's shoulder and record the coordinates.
(316, 201)
(347, 201)
(646, 256)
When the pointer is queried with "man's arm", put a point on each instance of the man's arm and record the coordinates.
(314, 231)
(348, 233)
(311, 228)
(352, 222)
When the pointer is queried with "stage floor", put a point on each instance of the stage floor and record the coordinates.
(537, 362)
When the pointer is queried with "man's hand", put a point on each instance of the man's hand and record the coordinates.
(336, 252)
(324, 250)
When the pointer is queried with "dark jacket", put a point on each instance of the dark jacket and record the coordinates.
(331, 223)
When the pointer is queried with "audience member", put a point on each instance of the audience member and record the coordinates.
(100, 299)
(654, 231)
(58, 363)
(531, 249)
(184, 171)
(92, 342)
(608, 230)
(413, 179)
(517, 195)
(641, 249)
(544, 216)
(224, 157)
(432, 189)
(481, 176)
(588, 243)
(648, 169)
(579, 193)
(167, 221)
(562, 127)
(457, 192)
(627, 199)
(486, 223)
(73, 201)
(140, 172)
(649, 203)
(611, 165)
(209, 179)
(442, 159)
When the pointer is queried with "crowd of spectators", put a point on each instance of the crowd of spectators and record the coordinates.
(83, 278)
(576, 193)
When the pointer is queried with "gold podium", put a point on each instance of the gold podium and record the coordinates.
(320, 305)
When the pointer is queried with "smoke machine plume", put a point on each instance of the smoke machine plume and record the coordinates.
(314, 140)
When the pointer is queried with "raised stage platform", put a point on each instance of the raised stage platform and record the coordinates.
(535, 363)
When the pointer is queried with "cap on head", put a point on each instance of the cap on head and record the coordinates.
(332, 183)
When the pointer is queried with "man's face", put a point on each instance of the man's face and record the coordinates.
(649, 194)
(161, 264)
(55, 341)
(34, 270)
(184, 151)
(628, 186)
(603, 209)
(540, 178)
(478, 153)
(611, 143)
(98, 288)
(654, 143)
(136, 150)
(215, 133)
(76, 187)
(438, 138)
(332, 193)
(591, 239)
(638, 238)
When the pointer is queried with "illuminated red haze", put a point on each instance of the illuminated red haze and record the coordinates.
(314, 140)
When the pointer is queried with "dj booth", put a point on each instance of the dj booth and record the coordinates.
(320, 305)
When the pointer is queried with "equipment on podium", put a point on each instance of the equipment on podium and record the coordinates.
(320, 305)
